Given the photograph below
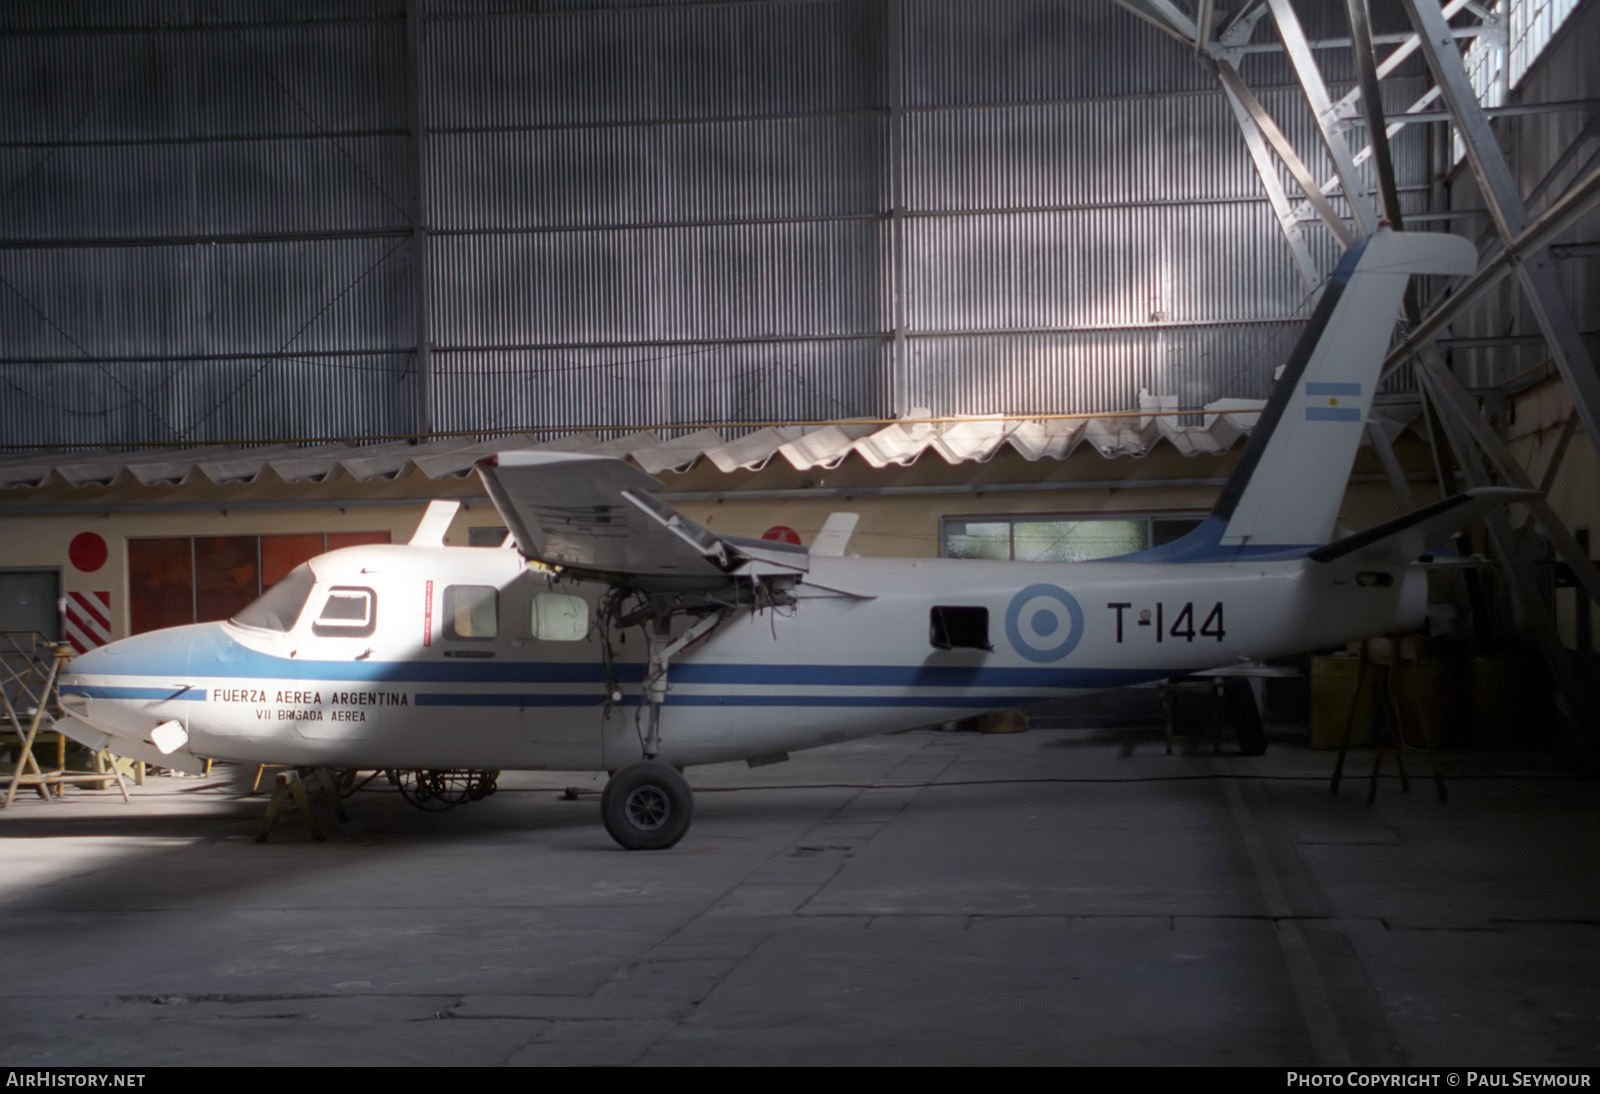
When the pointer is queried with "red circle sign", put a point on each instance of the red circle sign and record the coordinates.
(88, 552)
(783, 534)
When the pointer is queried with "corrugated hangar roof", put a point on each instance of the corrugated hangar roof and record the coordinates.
(897, 443)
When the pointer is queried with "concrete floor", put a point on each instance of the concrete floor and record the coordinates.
(1061, 896)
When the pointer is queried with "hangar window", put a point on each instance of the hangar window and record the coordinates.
(201, 579)
(281, 605)
(1498, 62)
(957, 628)
(349, 612)
(471, 611)
(1059, 538)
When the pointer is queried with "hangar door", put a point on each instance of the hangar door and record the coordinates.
(28, 606)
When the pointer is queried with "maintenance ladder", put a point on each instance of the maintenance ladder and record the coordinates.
(29, 667)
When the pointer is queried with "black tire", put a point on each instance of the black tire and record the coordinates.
(647, 806)
(1246, 716)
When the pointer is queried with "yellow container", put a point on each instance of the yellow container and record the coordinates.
(1429, 695)
(1003, 721)
(1496, 712)
(1333, 692)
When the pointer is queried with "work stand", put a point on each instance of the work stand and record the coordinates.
(291, 786)
(31, 667)
(1388, 731)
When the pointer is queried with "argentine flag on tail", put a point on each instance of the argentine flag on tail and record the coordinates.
(1333, 402)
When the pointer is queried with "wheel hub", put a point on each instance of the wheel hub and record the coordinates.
(648, 808)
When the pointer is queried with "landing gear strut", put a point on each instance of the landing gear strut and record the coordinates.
(647, 806)
(1246, 716)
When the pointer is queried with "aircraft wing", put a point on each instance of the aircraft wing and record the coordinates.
(600, 515)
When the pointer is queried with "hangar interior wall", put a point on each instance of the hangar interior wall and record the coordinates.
(370, 218)
(1498, 350)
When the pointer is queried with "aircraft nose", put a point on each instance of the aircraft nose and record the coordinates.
(96, 662)
(93, 663)
(159, 652)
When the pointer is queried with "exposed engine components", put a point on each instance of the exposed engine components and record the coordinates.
(440, 790)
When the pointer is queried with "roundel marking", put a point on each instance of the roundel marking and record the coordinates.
(1044, 622)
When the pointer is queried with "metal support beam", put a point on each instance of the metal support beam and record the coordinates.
(1160, 16)
(1331, 123)
(1494, 178)
(1452, 398)
(1409, 44)
(1568, 156)
(1557, 454)
(1202, 41)
(1552, 468)
(1267, 171)
(1571, 206)
(1391, 466)
(1579, 696)
(1510, 110)
(899, 263)
(1237, 27)
(1372, 108)
(1255, 124)
(422, 389)
(1268, 128)
(1378, 39)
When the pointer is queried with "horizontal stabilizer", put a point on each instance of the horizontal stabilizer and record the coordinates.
(1406, 538)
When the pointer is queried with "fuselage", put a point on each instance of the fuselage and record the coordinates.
(420, 657)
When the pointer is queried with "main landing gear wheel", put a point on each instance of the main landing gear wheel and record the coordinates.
(647, 806)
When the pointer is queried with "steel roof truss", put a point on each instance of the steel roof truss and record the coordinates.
(1331, 122)
(1499, 189)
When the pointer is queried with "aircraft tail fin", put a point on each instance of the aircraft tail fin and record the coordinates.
(1286, 490)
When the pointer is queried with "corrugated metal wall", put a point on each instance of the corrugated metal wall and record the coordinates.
(1547, 153)
(630, 214)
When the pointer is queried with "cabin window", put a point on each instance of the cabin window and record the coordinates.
(558, 617)
(349, 612)
(471, 611)
(957, 628)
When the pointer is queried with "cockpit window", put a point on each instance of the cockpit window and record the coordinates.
(279, 607)
(349, 612)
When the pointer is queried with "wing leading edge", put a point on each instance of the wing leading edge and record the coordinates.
(600, 515)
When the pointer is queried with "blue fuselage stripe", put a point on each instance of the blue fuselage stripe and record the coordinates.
(988, 701)
(201, 664)
(171, 694)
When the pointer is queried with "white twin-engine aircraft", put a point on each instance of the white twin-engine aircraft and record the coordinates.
(437, 660)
